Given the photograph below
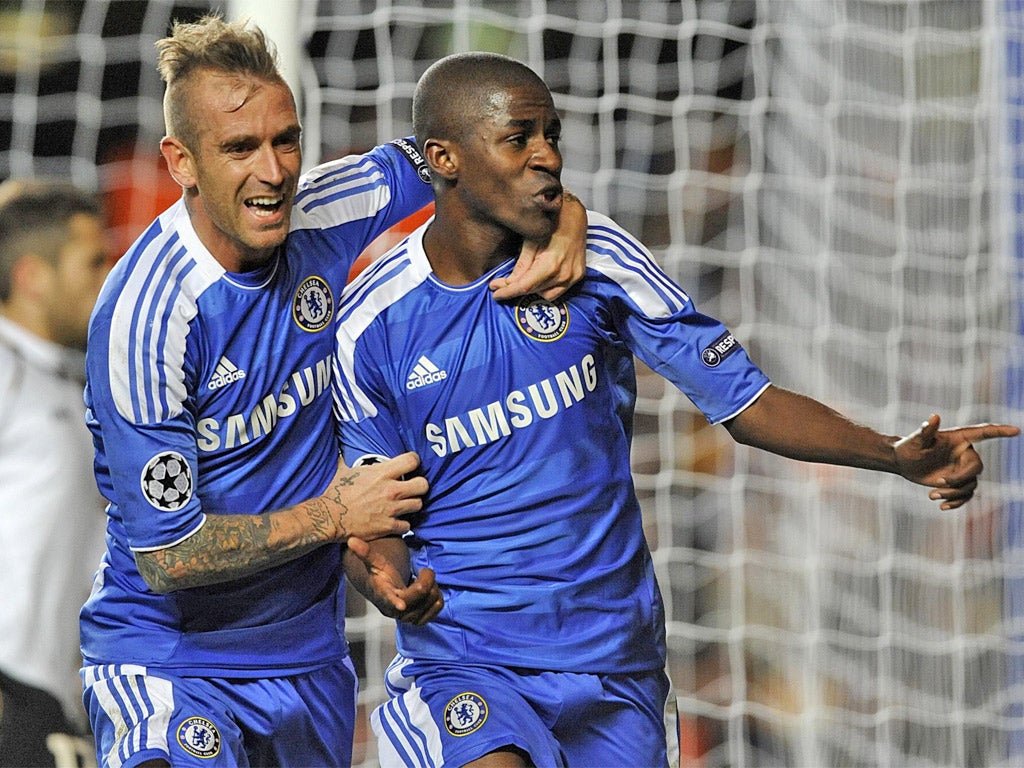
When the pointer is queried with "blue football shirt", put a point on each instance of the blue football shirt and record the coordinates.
(209, 392)
(522, 416)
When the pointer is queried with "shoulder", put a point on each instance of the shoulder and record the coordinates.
(10, 369)
(144, 318)
(381, 286)
(339, 191)
(623, 263)
(166, 265)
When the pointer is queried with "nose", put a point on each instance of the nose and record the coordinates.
(268, 166)
(547, 157)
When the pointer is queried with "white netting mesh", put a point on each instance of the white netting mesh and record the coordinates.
(824, 176)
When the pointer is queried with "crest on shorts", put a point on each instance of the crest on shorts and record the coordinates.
(541, 320)
(199, 737)
(167, 481)
(313, 305)
(465, 714)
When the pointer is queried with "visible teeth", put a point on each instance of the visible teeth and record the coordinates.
(264, 201)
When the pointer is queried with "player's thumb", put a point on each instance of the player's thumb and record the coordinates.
(929, 430)
(359, 548)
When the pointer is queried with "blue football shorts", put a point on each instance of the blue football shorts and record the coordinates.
(447, 714)
(138, 714)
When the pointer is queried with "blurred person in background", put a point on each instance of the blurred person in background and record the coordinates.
(53, 260)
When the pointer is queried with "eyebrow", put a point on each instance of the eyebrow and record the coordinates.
(527, 122)
(292, 133)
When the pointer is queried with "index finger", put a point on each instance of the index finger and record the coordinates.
(516, 283)
(421, 586)
(987, 431)
(512, 286)
(404, 463)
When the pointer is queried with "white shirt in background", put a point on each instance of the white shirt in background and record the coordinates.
(51, 515)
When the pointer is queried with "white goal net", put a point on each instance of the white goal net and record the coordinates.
(832, 179)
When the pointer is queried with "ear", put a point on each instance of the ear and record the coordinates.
(442, 157)
(179, 161)
(31, 277)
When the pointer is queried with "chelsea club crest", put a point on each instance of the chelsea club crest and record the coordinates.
(465, 714)
(541, 320)
(313, 305)
(199, 737)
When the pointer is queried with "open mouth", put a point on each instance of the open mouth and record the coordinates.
(265, 205)
(550, 198)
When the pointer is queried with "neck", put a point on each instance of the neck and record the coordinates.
(227, 251)
(461, 251)
(24, 315)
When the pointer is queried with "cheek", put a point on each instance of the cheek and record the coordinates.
(499, 193)
(291, 162)
(78, 291)
(217, 186)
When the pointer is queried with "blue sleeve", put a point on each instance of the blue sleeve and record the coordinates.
(373, 430)
(351, 201)
(658, 322)
(146, 467)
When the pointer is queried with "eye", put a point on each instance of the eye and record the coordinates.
(239, 148)
(288, 141)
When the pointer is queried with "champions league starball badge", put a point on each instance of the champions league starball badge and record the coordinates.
(313, 305)
(167, 481)
(541, 320)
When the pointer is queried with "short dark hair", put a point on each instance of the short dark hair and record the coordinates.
(34, 216)
(452, 91)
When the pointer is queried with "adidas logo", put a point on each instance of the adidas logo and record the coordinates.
(424, 373)
(226, 373)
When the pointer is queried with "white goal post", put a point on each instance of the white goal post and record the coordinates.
(837, 180)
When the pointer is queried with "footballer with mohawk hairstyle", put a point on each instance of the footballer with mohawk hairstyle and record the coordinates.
(215, 630)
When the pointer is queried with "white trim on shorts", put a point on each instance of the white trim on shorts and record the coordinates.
(138, 705)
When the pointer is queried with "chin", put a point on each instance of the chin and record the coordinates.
(540, 233)
(269, 239)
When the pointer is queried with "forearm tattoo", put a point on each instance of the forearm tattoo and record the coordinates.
(234, 546)
(319, 514)
(226, 547)
(324, 526)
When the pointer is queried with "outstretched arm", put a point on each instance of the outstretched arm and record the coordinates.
(550, 268)
(799, 427)
(380, 571)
